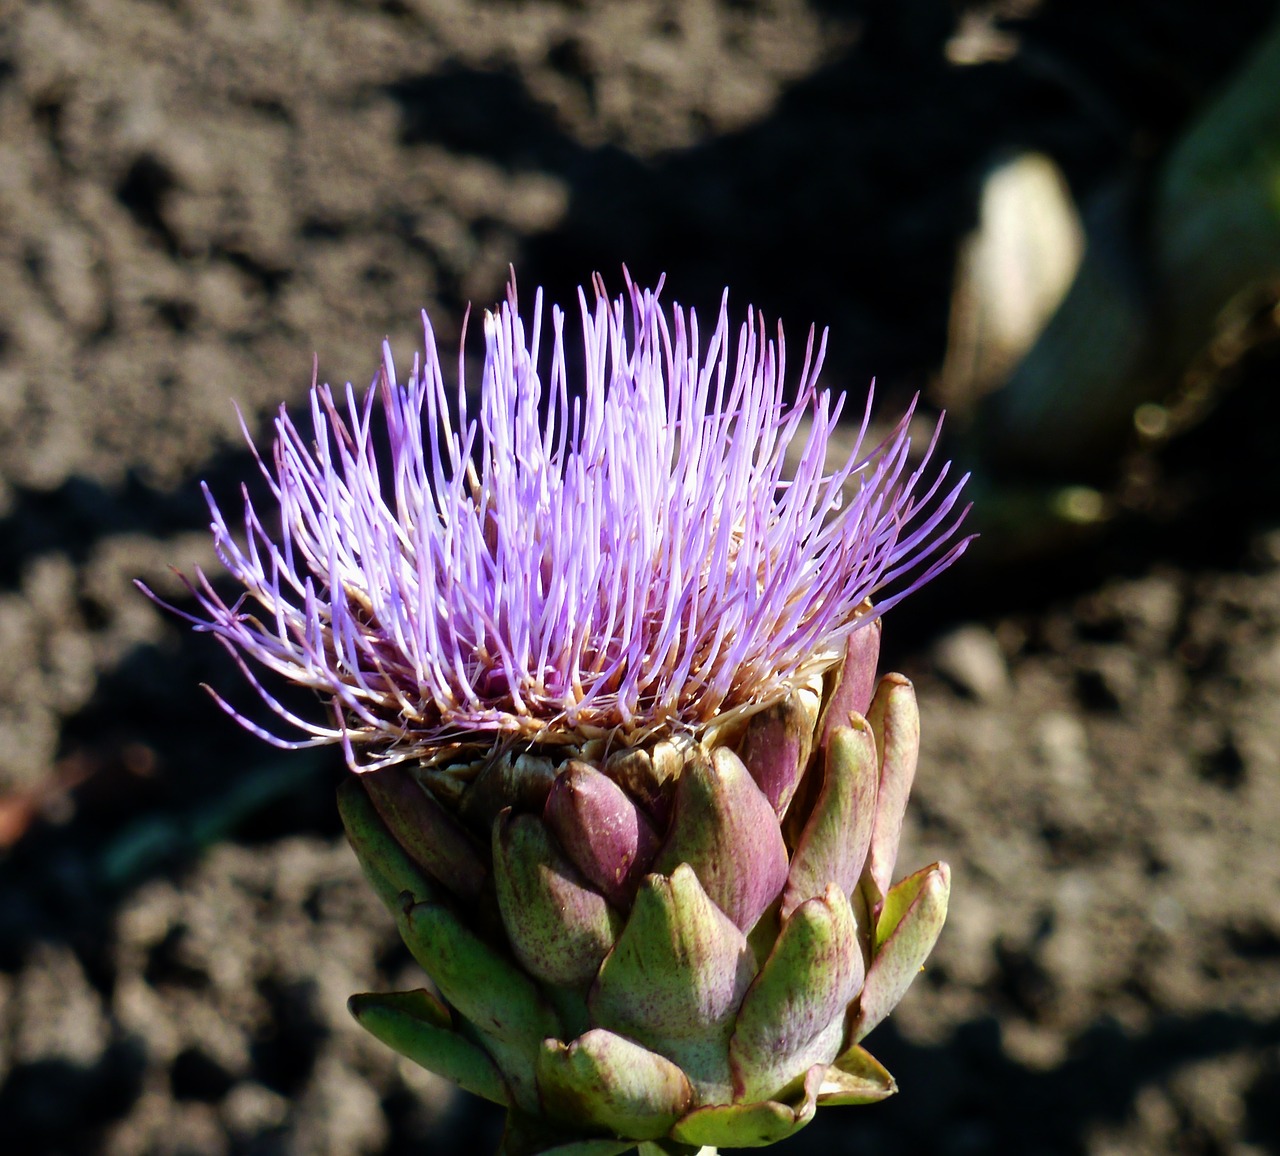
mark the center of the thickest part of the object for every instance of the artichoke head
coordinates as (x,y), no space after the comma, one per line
(674,946)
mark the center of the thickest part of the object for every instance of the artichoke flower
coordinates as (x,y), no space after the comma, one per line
(603,663)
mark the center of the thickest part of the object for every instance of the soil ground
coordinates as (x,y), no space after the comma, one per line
(195,197)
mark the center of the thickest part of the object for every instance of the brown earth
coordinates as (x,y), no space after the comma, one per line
(195,197)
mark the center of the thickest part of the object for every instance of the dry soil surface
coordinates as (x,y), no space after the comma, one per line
(195,197)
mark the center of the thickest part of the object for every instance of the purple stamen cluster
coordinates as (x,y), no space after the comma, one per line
(635,558)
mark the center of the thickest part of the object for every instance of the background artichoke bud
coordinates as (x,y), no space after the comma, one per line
(678,944)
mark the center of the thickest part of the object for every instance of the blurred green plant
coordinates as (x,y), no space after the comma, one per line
(1178,280)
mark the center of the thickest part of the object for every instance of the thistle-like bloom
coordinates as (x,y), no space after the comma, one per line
(651,554)
(606,659)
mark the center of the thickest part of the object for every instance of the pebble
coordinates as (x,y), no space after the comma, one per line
(972,659)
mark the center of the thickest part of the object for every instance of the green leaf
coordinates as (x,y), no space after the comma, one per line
(433,838)
(833,846)
(560,928)
(750,1125)
(894,718)
(486,988)
(676,979)
(899,959)
(854,680)
(777,744)
(420,1028)
(604,1081)
(856,1077)
(794,1013)
(389,869)
(726,830)
(896,903)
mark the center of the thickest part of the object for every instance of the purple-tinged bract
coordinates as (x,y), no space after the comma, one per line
(650,551)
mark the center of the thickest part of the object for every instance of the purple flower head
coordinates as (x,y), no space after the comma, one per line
(645,554)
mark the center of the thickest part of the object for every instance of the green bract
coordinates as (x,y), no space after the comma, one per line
(676,946)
